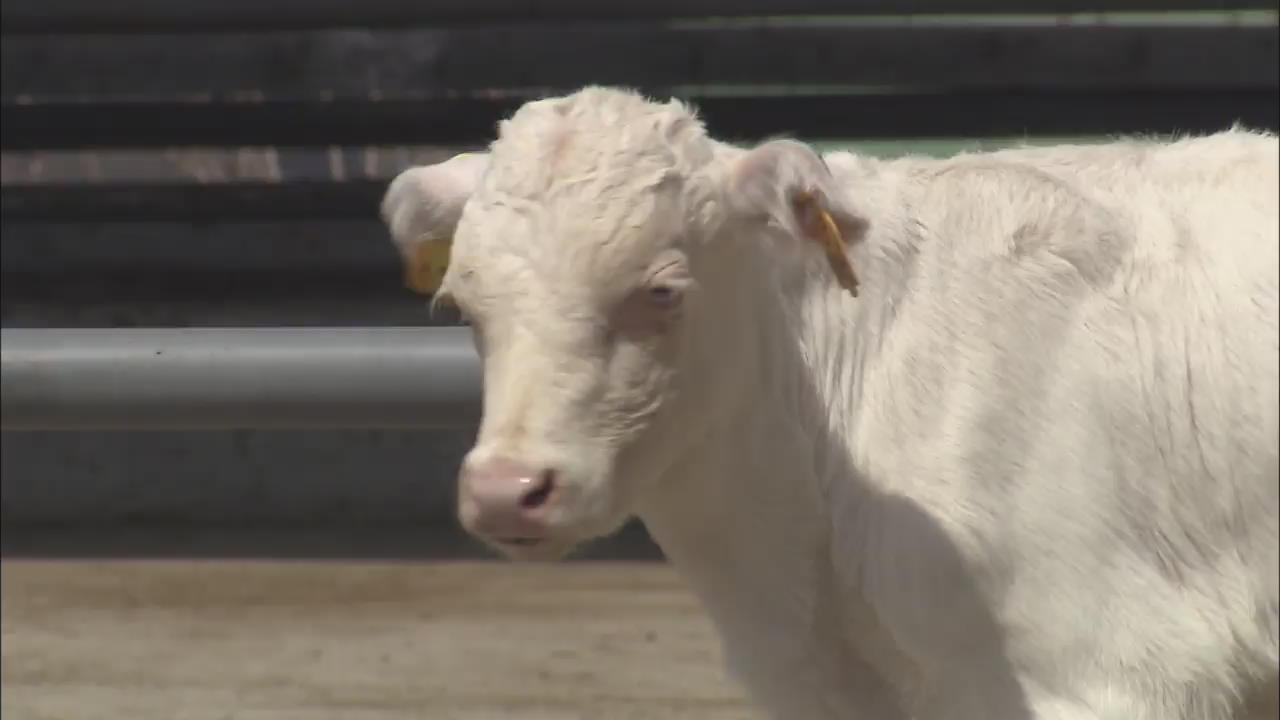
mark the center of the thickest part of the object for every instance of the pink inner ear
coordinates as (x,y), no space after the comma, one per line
(765,177)
(755,166)
(804,207)
(458,176)
(755,175)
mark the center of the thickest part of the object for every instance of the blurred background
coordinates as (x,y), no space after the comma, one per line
(219,163)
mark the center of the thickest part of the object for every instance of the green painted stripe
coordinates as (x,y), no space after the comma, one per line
(945,147)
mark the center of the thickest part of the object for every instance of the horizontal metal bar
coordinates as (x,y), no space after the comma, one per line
(141,15)
(224,378)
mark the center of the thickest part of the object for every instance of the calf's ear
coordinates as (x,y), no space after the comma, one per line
(421,208)
(786,184)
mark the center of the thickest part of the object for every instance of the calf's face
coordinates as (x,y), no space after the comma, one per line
(595,296)
(579,302)
(579,326)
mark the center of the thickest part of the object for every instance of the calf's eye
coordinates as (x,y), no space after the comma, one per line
(663,296)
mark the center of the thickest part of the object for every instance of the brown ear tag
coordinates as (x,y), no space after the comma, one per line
(828,235)
(425,265)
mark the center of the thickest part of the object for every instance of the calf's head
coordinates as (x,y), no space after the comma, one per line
(602,251)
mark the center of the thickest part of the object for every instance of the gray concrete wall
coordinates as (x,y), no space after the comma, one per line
(221,477)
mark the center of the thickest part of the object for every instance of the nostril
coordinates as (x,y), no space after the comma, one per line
(539,491)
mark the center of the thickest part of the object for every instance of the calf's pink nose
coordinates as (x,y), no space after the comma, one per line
(505,499)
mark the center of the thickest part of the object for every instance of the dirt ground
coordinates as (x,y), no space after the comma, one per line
(221,640)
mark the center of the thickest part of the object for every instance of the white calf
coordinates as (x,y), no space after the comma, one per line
(1029,471)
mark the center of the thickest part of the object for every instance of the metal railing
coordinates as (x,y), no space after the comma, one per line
(224,378)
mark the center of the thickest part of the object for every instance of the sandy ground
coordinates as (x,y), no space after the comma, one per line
(220,640)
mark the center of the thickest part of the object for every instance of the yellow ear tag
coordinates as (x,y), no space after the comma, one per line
(424,268)
(425,265)
(832,242)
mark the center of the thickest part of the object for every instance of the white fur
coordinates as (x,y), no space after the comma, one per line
(1030,472)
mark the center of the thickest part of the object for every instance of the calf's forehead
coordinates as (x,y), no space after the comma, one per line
(593,236)
(584,189)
